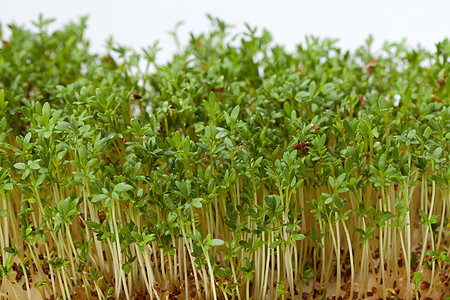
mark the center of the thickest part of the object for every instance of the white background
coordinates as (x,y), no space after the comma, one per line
(140,23)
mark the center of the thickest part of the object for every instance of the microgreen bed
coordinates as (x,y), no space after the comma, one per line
(237,170)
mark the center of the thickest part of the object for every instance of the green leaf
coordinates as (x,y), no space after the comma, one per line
(126,268)
(101,97)
(10,250)
(437,153)
(235,112)
(8,186)
(33,165)
(197,202)
(312,88)
(308,273)
(437,178)
(382,103)
(297,237)
(302,96)
(417,278)
(99,197)
(331,181)
(40,283)
(216,242)
(122,187)
(275,244)
(41,179)
(222,134)
(46,113)
(382,163)
(340,179)
(92,224)
(359,230)
(20,166)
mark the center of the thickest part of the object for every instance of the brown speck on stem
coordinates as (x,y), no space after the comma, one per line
(101,216)
(219,90)
(81,220)
(162,126)
(302,146)
(436,99)
(370,65)
(239,145)
(135,95)
(251,105)
(442,81)
(28,89)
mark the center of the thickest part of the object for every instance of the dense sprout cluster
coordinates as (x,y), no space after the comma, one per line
(237,170)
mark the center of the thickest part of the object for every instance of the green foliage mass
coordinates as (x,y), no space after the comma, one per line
(236,170)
